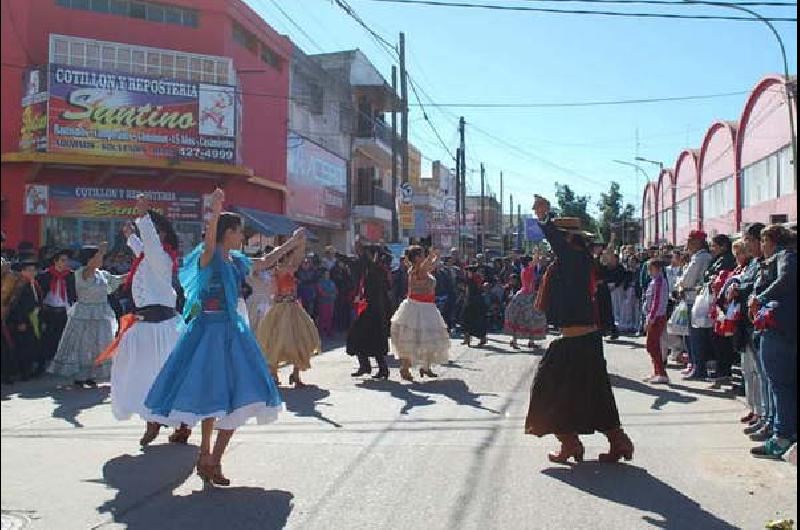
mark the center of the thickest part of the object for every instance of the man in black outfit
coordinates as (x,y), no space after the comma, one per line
(58,288)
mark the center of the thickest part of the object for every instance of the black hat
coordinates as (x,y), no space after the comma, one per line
(27,262)
(754,230)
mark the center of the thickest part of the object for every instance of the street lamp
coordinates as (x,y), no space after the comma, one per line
(654,162)
(646,178)
(787,84)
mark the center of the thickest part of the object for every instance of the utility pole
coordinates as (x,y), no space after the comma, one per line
(462,190)
(511,220)
(404,115)
(519,226)
(395,222)
(457,191)
(501,225)
(483,209)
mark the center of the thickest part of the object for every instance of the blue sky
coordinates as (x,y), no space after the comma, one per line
(478,56)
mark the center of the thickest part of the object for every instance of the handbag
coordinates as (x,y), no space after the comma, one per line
(701,311)
(678,323)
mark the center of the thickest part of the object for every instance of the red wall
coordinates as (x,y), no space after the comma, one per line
(687,182)
(24,35)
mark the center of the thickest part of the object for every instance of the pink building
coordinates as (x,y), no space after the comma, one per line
(718,170)
(743,172)
(665,206)
(768,179)
(649,214)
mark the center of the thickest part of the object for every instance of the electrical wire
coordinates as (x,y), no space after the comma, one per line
(494,7)
(576,104)
(296,25)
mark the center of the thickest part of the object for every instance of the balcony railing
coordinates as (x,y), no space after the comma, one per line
(366,194)
(376,129)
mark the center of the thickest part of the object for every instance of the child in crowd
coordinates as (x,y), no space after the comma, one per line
(326,299)
(656,318)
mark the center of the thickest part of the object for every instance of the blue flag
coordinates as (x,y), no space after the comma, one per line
(533,231)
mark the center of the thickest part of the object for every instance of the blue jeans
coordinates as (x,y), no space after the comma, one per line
(699,349)
(779,354)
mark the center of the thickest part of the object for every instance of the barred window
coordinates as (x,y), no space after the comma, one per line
(143,10)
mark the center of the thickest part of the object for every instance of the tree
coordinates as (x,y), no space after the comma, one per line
(571,205)
(614,216)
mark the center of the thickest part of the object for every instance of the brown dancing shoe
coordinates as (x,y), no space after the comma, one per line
(181,435)
(621,447)
(150,434)
(571,447)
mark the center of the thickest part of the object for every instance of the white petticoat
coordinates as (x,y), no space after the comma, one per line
(419,334)
(262,413)
(140,355)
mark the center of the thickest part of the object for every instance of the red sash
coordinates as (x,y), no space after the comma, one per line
(125,324)
(424,298)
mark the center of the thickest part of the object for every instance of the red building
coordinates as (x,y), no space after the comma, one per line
(102,99)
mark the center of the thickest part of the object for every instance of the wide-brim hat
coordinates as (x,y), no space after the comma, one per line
(572,225)
(18,266)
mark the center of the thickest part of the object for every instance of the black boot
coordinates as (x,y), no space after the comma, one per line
(383,368)
(364,367)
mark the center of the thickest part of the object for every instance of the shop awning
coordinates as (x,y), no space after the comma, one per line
(270,224)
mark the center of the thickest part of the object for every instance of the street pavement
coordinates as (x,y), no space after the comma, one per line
(359,454)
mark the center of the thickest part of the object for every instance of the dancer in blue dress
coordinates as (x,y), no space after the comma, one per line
(216,374)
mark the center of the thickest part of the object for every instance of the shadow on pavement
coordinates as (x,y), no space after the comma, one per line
(459,366)
(145,500)
(304,402)
(399,391)
(70,402)
(635,487)
(457,390)
(662,394)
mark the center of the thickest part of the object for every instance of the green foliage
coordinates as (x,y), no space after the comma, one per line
(613,215)
(572,205)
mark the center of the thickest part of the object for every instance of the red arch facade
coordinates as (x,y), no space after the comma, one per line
(687,194)
(764,132)
(718,170)
(649,214)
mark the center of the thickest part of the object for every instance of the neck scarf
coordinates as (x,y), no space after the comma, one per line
(171,252)
(58,282)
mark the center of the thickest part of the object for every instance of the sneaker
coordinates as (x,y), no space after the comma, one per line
(773,448)
(660,380)
(754,428)
(762,435)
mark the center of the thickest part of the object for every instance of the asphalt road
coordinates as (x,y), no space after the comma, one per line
(358,454)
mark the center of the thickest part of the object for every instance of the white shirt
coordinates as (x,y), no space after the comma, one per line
(152,283)
(55,300)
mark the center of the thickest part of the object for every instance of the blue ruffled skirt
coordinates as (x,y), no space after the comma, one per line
(215,371)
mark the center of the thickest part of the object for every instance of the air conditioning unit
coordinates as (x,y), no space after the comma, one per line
(778,218)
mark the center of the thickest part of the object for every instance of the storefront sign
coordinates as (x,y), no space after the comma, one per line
(405,216)
(33,133)
(372,231)
(72,201)
(135,116)
(317,182)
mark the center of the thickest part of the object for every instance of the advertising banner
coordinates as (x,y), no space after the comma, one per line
(33,133)
(405,216)
(74,201)
(317,182)
(136,116)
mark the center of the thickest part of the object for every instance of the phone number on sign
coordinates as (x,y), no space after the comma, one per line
(205,154)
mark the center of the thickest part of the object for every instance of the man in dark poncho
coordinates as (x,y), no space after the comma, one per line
(571,393)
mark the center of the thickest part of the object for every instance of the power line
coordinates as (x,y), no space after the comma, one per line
(666,2)
(441,3)
(296,25)
(583,103)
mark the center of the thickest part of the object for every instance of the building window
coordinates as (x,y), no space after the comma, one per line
(685,211)
(769,178)
(244,37)
(143,10)
(268,56)
(718,198)
(666,222)
(123,58)
(248,40)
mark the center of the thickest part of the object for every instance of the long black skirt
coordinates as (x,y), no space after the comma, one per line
(473,316)
(571,392)
(369,334)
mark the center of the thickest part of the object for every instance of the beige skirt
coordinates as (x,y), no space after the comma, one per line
(288,335)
